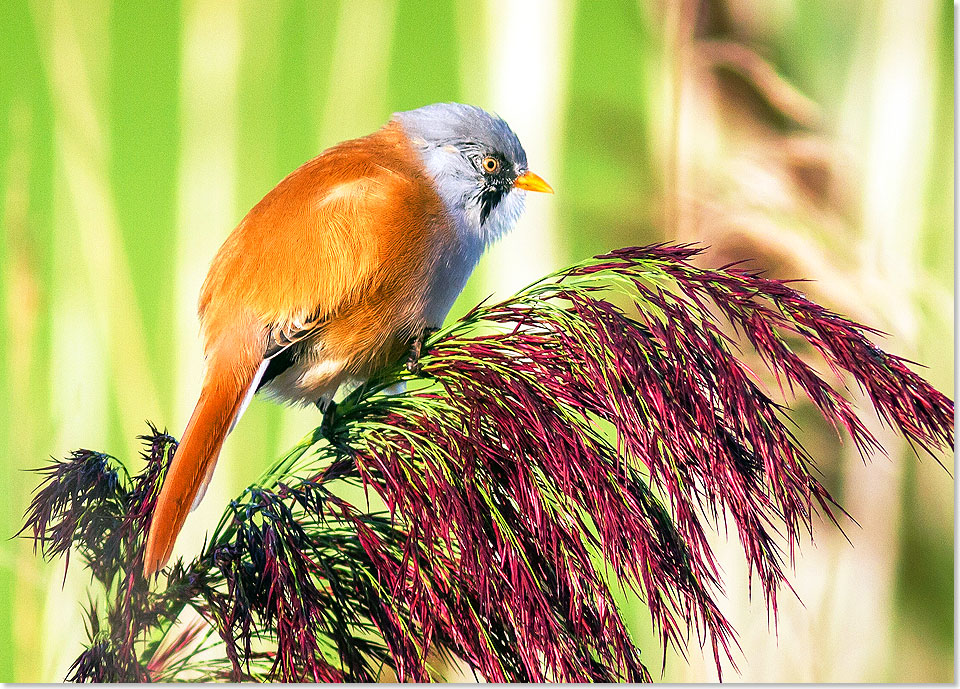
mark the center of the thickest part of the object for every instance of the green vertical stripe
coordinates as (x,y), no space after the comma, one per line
(144,134)
(611,184)
(26,123)
(424,55)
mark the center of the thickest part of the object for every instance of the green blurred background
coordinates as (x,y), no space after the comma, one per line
(813,136)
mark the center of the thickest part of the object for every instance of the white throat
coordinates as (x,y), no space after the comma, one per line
(458,191)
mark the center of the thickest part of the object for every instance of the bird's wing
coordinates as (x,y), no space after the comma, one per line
(318,240)
(283,335)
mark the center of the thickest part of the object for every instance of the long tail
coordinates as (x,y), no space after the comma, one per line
(222,395)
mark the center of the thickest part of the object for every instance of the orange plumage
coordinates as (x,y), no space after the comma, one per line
(328,278)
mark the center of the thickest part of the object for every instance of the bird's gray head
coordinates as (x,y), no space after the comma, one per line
(477,164)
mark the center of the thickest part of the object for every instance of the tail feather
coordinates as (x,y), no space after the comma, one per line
(193,462)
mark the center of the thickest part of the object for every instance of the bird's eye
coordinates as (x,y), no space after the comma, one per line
(490,164)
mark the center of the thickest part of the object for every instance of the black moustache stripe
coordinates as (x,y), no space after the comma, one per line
(489,198)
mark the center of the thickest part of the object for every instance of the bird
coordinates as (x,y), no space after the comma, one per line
(338,271)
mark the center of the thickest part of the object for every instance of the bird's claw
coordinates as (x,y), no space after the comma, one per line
(413,364)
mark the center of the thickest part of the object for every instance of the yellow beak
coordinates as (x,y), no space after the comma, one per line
(532,182)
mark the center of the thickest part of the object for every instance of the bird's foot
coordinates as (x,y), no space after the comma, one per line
(416,350)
